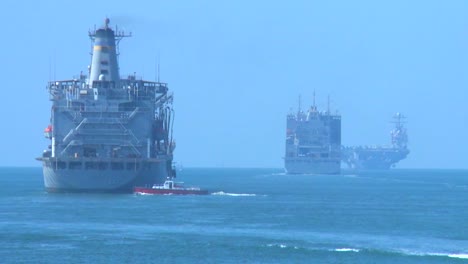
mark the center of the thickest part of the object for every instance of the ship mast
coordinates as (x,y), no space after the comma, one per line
(398,134)
(299,107)
(314,100)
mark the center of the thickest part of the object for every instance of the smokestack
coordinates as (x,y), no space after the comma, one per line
(104,65)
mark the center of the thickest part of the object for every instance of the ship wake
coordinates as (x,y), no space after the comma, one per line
(233,194)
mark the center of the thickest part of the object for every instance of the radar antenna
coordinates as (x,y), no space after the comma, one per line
(106,22)
(299,108)
(398,120)
(314,100)
(159,67)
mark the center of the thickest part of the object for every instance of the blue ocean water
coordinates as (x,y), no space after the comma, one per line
(252,216)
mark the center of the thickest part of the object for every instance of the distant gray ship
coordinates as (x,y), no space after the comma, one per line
(108,134)
(313,142)
(379,157)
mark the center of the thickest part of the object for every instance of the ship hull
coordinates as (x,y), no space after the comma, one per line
(107,181)
(307,166)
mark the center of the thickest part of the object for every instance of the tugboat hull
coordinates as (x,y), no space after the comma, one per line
(143,190)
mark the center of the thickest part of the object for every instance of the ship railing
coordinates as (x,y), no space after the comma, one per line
(120,143)
(67,88)
(159,87)
(61,85)
(103,120)
(102,135)
(102,140)
(140,87)
(103,131)
(125,89)
(135,81)
(100,110)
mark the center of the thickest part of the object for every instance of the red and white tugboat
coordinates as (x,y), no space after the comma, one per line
(170,187)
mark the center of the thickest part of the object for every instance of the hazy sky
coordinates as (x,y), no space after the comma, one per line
(237,67)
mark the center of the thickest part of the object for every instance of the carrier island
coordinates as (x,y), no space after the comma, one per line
(107,133)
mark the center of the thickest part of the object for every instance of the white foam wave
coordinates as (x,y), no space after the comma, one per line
(281,246)
(233,194)
(141,193)
(439,254)
(450,255)
(277,245)
(460,256)
(346,250)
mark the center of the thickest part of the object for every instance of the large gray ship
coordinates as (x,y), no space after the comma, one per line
(379,157)
(107,133)
(313,142)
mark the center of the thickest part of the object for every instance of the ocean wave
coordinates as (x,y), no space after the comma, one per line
(421,254)
(278,174)
(281,246)
(450,255)
(460,256)
(140,193)
(233,194)
(346,250)
(430,254)
(356,250)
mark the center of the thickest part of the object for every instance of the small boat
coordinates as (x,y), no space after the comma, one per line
(170,187)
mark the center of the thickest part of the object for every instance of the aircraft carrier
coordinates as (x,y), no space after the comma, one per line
(379,157)
(313,142)
(107,133)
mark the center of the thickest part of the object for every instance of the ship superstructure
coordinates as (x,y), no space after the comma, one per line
(107,133)
(313,142)
(380,157)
